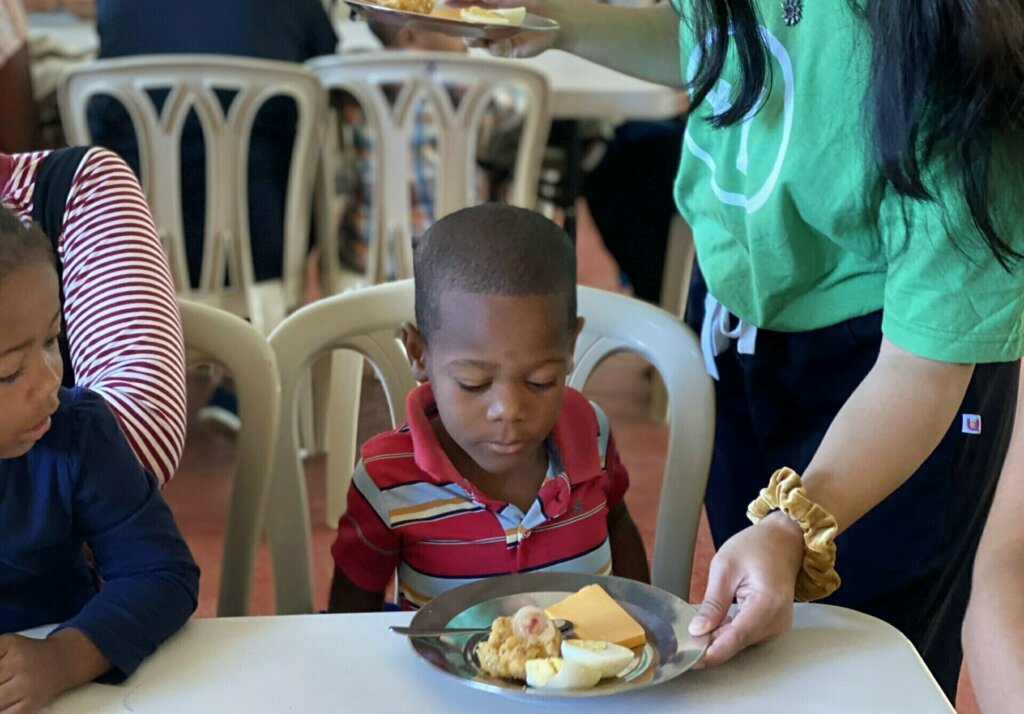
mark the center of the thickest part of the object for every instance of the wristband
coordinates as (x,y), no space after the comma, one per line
(785,492)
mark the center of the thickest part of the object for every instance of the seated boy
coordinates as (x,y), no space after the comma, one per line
(500,467)
(68,478)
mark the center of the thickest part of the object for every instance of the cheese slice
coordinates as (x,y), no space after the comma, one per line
(597,616)
(495,16)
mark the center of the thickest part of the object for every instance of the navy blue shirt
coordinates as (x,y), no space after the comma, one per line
(291,31)
(81,483)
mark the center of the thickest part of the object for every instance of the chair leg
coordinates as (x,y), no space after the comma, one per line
(675,284)
(342,396)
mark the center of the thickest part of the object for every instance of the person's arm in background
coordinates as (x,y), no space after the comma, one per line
(124,331)
(861,460)
(18,121)
(642,42)
(994,626)
(83,8)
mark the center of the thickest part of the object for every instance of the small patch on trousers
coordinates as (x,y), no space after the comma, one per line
(971,423)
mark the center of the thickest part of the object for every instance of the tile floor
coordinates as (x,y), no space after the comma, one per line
(199,493)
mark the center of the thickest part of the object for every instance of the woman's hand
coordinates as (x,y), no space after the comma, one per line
(757,568)
(524,44)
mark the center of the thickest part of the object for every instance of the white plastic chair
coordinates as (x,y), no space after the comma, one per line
(421,76)
(215,337)
(192,81)
(368,321)
(427,76)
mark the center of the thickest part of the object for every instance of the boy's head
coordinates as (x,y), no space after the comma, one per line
(496,328)
(403,37)
(30,363)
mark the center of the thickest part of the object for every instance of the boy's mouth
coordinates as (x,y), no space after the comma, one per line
(506,447)
(36,433)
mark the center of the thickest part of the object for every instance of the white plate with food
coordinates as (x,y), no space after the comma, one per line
(619,614)
(471,21)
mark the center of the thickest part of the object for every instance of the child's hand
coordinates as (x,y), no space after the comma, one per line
(30,673)
(33,672)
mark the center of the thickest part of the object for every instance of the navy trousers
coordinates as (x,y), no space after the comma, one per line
(909,560)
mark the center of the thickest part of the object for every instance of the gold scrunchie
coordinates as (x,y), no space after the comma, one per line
(785,491)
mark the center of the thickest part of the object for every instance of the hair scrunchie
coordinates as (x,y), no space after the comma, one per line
(785,492)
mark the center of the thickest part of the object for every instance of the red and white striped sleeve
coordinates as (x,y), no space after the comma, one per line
(124,330)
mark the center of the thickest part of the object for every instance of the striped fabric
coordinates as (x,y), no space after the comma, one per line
(409,509)
(122,318)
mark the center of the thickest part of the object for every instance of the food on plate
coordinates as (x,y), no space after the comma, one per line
(421,6)
(560,673)
(494,16)
(596,616)
(529,634)
(607,658)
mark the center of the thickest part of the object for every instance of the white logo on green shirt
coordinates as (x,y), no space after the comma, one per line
(719,100)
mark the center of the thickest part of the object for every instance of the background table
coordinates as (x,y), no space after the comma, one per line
(833,660)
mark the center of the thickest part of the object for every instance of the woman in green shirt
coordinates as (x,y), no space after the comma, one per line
(852,172)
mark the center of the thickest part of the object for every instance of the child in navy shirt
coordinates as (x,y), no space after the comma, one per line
(69,478)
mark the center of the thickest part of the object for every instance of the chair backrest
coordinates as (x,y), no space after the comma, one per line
(391,87)
(219,338)
(200,82)
(368,321)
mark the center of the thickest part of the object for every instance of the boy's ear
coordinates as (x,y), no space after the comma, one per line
(572,342)
(416,350)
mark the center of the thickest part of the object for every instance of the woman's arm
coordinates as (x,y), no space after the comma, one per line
(124,331)
(642,42)
(862,459)
(993,631)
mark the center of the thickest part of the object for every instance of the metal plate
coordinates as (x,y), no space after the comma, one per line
(670,650)
(446,21)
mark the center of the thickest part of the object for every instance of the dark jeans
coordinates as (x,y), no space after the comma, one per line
(909,560)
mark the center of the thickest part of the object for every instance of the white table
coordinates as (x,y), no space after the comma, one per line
(579,89)
(833,660)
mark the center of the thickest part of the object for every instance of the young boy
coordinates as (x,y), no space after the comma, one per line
(67,478)
(500,468)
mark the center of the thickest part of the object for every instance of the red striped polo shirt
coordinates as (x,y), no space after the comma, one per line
(408,508)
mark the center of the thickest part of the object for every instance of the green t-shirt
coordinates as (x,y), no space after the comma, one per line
(794,230)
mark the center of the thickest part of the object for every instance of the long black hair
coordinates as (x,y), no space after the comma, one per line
(947,77)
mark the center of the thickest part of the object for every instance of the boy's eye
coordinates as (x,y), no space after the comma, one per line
(10,378)
(541,386)
(52,341)
(473,388)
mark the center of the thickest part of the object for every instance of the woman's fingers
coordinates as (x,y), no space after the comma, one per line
(718,597)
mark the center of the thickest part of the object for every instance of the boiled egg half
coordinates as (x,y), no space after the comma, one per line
(494,16)
(560,673)
(606,657)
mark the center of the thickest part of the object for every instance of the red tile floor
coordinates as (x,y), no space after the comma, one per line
(199,493)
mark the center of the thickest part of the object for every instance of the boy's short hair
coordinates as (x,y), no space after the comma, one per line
(21,244)
(493,249)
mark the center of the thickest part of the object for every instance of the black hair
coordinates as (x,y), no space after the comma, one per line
(21,244)
(946,79)
(493,249)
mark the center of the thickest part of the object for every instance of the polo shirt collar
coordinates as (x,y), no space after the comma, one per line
(573,444)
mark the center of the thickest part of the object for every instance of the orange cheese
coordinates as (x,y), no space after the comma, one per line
(597,616)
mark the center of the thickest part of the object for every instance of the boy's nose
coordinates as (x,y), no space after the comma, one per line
(50,375)
(508,405)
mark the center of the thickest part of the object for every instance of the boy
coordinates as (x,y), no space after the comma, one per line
(500,468)
(68,478)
